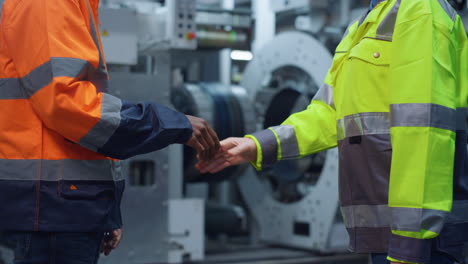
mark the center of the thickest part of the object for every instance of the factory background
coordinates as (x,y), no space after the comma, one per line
(243,65)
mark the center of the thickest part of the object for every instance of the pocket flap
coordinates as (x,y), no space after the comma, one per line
(372,51)
(86,190)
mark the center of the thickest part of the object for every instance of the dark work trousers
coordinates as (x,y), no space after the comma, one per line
(55,248)
(436,258)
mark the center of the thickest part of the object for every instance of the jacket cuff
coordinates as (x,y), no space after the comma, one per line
(256,163)
(267,148)
(400,261)
(409,250)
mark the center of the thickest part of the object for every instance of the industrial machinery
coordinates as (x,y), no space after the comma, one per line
(176,58)
(152,58)
(296,202)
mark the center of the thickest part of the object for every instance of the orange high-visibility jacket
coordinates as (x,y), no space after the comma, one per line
(58,126)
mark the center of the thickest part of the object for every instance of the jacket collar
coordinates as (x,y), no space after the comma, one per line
(373,14)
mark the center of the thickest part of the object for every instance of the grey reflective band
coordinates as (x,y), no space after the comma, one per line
(325,95)
(423,115)
(37,79)
(10,88)
(370,216)
(387,27)
(70,67)
(55,170)
(403,219)
(416,219)
(108,123)
(448,9)
(462,115)
(287,138)
(363,124)
(23,88)
(269,145)
(94,35)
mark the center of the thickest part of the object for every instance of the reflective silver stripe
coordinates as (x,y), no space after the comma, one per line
(93,27)
(366,216)
(363,124)
(37,79)
(462,115)
(416,219)
(102,71)
(404,219)
(69,67)
(10,88)
(423,115)
(325,95)
(269,145)
(105,128)
(54,170)
(387,27)
(56,67)
(288,140)
(448,9)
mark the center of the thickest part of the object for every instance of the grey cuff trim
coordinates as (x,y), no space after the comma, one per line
(269,145)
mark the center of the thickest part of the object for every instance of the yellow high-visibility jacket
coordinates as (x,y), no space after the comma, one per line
(394,101)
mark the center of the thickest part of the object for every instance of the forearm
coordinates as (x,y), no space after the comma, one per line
(303,133)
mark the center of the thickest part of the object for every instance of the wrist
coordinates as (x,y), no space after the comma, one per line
(252,150)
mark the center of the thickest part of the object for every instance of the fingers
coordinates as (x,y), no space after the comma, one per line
(111,241)
(194,143)
(233,151)
(215,165)
(209,140)
(220,162)
(204,138)
(203,163)
(215,138)
(116,237)
(211,143)
(200,136)
(105,244)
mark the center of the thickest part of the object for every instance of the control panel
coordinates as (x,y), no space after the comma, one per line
(181,26)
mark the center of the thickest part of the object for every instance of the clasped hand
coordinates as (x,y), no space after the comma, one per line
(233,151)
(204,139)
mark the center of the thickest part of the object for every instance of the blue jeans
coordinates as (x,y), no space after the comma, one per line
(56,248)
(436,258)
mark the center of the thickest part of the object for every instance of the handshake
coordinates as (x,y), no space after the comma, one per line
(213,155)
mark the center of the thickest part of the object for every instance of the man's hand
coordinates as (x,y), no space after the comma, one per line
(111,241)
(233,151)
(204,140)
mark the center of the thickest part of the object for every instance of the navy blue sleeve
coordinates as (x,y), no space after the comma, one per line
(146,127)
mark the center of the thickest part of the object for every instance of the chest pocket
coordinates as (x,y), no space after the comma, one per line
(363,81)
